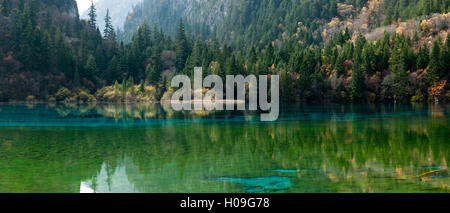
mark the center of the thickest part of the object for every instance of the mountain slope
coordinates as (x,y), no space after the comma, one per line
(338,51)
(200,15)
(240,23)
(251,23)
(43,47)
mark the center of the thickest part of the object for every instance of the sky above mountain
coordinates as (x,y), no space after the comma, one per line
(118,10)
(83,5)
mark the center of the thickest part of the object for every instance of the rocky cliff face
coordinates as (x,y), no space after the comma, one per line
(70,8)
(65,7)
(206,11)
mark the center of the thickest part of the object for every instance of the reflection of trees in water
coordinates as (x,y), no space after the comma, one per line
(338,154)
(142,111)
(110,179)
(371,155)
(130,111)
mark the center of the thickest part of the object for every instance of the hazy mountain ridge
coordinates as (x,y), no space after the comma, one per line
(201,16)
(241,23)
(250,23)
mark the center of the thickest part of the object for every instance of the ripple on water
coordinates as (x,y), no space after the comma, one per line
(283,170)
(261,184)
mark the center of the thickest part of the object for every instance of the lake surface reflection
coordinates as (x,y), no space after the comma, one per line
(150,148)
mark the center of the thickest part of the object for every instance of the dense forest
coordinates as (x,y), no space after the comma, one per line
(325,51)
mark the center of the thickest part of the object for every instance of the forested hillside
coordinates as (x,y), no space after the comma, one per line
(238,22)
(325,51)
(245,24)
(202,15)
(37,39)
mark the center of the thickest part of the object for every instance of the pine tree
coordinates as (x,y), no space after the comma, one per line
(153,74)
(144,36)
(397,61)
(383,54)
(339,66)
(91,68)
(347,35)
(30,12)
(398,65)
(445,57)
(307,68)
(41,51)
(269,56)
(5,6)
(368,58)
(435,63)
(423,57)
(196,57)
(26,46)
(344,36)
(113,69)
(182,47)
(357,85)
(153,69)
(109,32)
(92,16)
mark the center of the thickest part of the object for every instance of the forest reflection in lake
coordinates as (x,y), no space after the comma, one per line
(149,148)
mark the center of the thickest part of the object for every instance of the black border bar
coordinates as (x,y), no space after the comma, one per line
(148,202)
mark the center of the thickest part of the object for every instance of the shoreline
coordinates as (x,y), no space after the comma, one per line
(162,102)
(168,102)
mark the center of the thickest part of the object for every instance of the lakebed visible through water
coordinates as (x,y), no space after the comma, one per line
(150,148)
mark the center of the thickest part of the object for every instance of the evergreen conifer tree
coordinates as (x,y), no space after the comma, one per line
(92,16)
(182,47)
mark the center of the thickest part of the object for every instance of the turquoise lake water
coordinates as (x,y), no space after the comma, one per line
(151,148)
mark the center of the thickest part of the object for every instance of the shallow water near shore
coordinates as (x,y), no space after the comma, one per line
(151,148)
